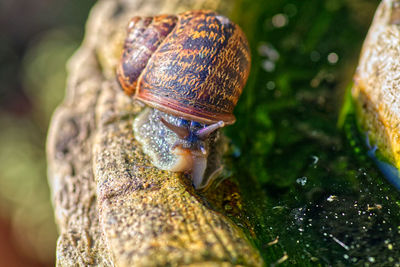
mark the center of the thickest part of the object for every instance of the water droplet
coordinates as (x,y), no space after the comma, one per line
(279,20)
(270,85)
(331,198)
(267,50)
(333,58)
(268,65)
(315,159)
(302,181)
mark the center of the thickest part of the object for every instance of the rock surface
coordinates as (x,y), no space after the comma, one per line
(113,208)
(377,81)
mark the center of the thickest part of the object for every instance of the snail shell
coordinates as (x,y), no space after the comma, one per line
(193,65)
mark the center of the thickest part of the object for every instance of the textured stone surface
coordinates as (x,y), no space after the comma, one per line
(377,81)
(112,207)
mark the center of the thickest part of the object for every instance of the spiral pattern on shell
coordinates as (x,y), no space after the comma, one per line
(193,65)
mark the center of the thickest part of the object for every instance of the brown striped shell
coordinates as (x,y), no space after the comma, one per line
(193,65)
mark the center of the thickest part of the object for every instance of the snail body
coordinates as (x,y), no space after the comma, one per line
(191,69)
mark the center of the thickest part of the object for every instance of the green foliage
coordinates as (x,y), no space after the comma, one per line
(313,184)
(291,101)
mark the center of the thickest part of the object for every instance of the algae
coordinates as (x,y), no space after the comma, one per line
(318,199)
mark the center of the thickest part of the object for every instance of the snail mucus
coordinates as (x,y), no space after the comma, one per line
(190,70)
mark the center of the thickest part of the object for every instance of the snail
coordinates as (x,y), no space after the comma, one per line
(190,70)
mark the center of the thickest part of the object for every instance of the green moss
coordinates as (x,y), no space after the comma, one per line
(300,160)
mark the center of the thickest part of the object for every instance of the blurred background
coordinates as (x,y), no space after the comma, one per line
(300,49)
(36,39)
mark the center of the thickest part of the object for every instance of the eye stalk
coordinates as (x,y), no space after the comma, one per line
(206,131)
(181,131)
(189,133)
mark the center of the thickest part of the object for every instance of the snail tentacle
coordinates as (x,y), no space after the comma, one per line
(182,132)
(205,132)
